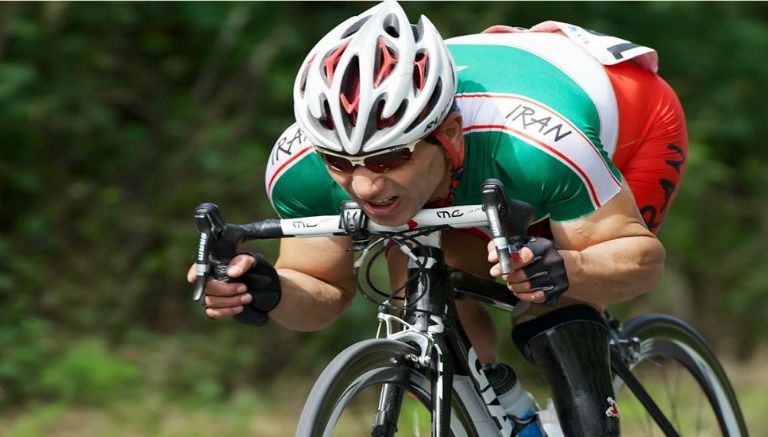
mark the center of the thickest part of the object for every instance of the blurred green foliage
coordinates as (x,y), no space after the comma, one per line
(116,119)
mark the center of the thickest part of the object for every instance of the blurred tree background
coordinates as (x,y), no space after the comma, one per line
(117,119)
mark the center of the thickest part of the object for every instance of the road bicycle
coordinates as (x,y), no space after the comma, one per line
(421,376)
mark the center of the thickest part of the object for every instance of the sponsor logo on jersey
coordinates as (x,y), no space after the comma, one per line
(538,121)
(547,130)
(288,150)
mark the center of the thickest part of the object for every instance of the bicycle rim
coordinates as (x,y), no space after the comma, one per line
(683,376)
(345,399)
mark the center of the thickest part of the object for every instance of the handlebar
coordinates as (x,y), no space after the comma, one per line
(508,219)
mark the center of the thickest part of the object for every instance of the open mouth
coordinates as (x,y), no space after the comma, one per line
(381,207)
(383,203)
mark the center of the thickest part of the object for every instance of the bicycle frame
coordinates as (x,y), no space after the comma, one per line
(444,349)
(430,320)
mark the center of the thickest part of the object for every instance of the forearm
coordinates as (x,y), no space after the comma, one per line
(614,271)
(308,303)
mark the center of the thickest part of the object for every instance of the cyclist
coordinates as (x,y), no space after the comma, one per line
(575,123)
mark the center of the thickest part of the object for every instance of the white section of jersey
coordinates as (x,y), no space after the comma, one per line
(608,50)
(581,67)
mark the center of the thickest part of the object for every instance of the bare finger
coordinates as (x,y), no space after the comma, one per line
(224,289)
(240,264)
(223,312)
(227,302)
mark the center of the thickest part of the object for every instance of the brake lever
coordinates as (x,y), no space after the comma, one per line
(508,219)
(210,224)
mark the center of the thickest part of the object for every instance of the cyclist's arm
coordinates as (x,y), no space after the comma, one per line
(610,256)
(317,282)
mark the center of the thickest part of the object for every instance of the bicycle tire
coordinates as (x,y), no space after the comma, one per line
(363,365)
(663,339)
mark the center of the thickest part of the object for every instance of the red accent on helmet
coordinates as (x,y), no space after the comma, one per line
(419,72)
(332,60)
(386,64)
(351,87)
(412,224)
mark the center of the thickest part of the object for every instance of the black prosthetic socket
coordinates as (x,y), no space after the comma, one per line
(570,348)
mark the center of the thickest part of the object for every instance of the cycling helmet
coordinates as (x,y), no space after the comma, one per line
(374,82)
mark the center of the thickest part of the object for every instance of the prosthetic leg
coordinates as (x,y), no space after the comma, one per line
(570,348)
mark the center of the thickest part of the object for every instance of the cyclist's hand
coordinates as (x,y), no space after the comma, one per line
(226,299)
(537,275)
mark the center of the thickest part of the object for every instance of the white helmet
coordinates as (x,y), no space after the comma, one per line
(373,82)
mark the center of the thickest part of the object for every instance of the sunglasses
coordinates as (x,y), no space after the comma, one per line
(377,162)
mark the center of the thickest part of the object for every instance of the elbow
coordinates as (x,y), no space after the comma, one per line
(653,265)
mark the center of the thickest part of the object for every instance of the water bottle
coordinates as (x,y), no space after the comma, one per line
(518,403)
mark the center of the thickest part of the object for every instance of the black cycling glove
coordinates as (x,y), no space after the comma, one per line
(263,284)
(547,271)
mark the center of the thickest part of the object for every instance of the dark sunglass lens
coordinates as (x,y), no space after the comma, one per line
(338,163)
(388,161)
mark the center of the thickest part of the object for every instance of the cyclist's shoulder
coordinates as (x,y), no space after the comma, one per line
(554,39)
(546,68)
(296,180)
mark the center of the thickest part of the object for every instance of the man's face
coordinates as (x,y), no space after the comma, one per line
(394,197)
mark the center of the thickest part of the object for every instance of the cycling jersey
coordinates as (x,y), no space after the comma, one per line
(539,113)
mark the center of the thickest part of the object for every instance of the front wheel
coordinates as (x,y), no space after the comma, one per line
(372,389)
(683,376)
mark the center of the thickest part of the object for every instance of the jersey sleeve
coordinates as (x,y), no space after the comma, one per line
(297,182)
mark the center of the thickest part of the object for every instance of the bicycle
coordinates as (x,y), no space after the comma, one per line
(424,362)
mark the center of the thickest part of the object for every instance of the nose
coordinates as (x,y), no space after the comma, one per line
(366,184)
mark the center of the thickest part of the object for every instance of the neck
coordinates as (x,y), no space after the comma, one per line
(444,187)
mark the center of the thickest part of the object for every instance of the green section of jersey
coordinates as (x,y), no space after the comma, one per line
(516,71)
(528,174)
(306,189)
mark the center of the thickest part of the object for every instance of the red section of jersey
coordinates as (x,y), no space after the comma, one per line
(652,146)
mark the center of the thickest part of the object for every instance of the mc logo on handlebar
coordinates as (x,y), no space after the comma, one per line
(448,214)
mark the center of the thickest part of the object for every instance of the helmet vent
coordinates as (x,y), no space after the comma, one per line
(381,122)
(327,119)
(386,59)
(420,70)
(391,26)
(418,31)
(351,30)
(350,90)
(304,74)
(332,60)
(430,107)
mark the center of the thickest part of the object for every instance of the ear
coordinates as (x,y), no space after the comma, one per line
(451,136)
(451,129)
